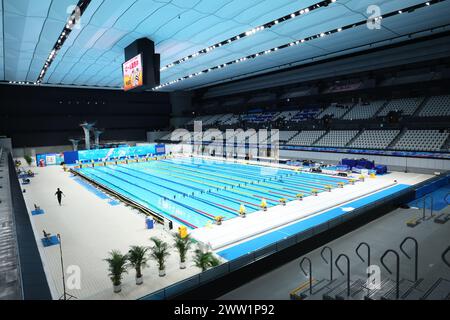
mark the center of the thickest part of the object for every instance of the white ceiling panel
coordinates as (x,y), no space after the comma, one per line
(93,53)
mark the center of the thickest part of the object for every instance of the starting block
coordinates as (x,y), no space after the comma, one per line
(442,218)
(413,222)
(37,212)
(50,241)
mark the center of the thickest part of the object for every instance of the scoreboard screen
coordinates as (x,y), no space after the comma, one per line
(133,73)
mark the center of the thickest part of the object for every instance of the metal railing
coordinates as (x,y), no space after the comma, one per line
(397,270)
(416,255)
(326,261)
(368,255)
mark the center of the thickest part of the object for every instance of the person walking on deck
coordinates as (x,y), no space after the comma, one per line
(59,195)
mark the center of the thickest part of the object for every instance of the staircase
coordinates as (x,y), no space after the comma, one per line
(446,145)
(355,137)
(348,111)
(420,107)
(10,284)
(355,287)
(397,138)
(320,138)
(440,290)
(381,109)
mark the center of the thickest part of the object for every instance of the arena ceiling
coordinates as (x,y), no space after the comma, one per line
(93,52)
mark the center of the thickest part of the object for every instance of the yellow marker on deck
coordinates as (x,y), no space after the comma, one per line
(242,209)
(264,204)
(182,231)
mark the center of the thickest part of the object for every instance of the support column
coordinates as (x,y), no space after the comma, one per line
(87,127)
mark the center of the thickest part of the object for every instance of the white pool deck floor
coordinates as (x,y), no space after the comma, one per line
(90,227)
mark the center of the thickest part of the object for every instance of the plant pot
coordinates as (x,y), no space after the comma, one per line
(162,273)
(182,265)
(139,280)
(117,288)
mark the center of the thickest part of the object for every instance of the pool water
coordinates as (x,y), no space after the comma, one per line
(192,191)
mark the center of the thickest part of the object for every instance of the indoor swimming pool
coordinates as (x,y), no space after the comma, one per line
(193,191)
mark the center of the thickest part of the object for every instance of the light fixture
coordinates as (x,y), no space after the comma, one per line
(77,12)
(253,56)
(251,32)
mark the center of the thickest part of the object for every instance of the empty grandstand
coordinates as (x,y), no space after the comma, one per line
(406,106)
(365,110)
(374,139)
(335,110)
(306,138)
(427,140)
(337,138)
(436,106)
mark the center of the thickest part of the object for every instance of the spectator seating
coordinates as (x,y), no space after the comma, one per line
(375,139)
(336,111)
(212,120)
(306,138)
(364,110)
(178,136)
(202,118)
(407,106)
(436,106)
(337,138)
(285,115)
(261,117)
(285,136)
(231,120)
(306,114)
(423,140)
(224,118)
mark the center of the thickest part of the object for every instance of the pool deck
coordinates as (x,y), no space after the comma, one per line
(91,227)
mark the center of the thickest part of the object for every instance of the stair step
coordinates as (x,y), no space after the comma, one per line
(440,290)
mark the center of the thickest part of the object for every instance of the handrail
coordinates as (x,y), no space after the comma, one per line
(425,205)
(397,285)
(444,258)
(416,255)
(348,270)
(368,255)
(307,273)
(331,260)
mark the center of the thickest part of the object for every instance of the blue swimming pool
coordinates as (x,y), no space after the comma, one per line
(192,191)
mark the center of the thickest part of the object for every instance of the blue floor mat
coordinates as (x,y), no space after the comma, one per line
(114,202)
(51,241)
(441,199)
(37,212)
(91,188)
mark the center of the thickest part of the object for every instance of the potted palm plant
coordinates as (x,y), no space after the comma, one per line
(182,245)
(159,252)
(205,260)
(117,267)
(28,159)
(137,256)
